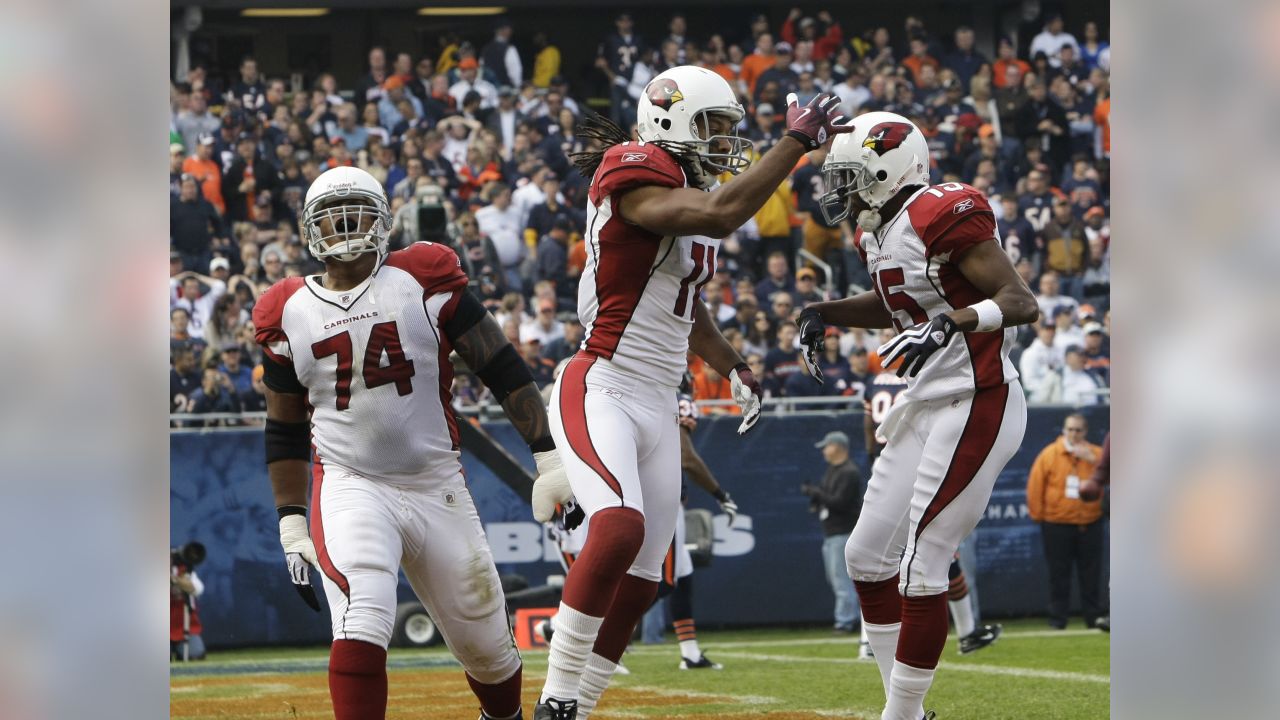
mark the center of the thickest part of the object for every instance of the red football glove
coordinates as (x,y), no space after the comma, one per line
(813,124)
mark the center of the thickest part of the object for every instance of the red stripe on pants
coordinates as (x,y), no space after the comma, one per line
(317,527)
(573,412)
(986,415)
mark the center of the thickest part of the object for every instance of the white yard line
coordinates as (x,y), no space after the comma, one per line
(849,640)
(958,667)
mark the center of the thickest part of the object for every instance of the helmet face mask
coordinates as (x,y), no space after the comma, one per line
(884,154)
(346,215)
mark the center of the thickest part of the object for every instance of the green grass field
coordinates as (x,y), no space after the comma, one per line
(1031,672)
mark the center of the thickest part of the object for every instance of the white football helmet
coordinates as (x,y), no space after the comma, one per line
(885,153)
(669,110)
(345,215)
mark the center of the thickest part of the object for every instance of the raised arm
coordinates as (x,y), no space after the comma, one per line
(686,211)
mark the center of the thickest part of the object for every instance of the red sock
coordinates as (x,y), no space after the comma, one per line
(500,700)
(924,631)
(880,601)
(612,544)
(358,680)
(633,598)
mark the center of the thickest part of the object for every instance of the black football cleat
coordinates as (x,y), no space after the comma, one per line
(554,709)
(983,636)
(702,663)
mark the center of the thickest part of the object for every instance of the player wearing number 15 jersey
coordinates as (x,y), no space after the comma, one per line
(358,374)
(943,281)
(654,217)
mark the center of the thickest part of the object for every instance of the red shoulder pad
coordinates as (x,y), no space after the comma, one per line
(435,266)
(632,165)
(268,317)
(952,218)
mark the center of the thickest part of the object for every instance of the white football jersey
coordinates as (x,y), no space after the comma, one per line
(913,259)
(637,292)
(374,362)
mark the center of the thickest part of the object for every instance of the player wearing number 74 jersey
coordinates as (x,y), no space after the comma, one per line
(944,282)
(654,219)
(358,374)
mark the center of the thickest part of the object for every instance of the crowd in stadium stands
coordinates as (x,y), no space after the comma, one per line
(472,147)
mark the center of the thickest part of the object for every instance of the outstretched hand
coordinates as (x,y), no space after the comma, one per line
(816,122)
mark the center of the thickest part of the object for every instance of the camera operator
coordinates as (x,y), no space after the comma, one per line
(185,642)
(423,217)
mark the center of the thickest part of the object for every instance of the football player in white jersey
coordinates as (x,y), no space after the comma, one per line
(654,219)
(941,279)
(358,375)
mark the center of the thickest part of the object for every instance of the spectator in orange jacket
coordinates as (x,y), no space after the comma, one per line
(757,62)
(711,385)
(1070,525)
(207,172)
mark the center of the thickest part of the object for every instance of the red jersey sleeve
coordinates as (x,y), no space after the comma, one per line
(951,221)
(436,267)
(268,319)
(631,165)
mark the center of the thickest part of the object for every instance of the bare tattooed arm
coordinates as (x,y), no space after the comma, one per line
(524,406)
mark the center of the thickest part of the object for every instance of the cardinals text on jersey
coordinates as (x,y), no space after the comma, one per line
(636,296)
(913,260)
(374,363)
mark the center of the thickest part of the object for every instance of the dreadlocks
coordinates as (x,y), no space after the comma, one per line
(600,128)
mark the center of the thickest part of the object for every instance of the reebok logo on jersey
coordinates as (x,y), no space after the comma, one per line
(633,157)
(965,204)
(939,336)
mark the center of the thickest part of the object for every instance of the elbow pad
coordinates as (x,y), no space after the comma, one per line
(288,441)
(505,373)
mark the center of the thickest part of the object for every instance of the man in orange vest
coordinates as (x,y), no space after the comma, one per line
(1070,524)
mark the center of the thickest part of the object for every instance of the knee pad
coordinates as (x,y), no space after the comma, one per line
(922,575)
(479,586)
(865,565)
(489,665)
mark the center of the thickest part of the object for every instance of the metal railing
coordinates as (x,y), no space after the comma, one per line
(830,284)
(221,422)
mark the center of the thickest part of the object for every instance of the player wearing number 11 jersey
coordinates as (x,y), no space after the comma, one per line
(654,219)
(943,281)
(358,375)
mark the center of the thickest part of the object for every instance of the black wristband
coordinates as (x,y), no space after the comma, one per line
(542,444)
(286,510)
(720,495)
(808,142)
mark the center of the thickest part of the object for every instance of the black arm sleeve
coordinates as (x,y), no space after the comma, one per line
(280,377)
(465,316)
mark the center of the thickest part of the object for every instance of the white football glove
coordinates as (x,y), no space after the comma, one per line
(727,505)
(300,555)
(746,392)
(552,486)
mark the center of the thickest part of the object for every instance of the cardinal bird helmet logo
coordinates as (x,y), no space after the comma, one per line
(664,93)
(887,136)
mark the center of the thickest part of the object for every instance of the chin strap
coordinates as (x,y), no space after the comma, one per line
(869,220)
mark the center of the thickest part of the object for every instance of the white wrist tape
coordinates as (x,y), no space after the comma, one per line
(989,316)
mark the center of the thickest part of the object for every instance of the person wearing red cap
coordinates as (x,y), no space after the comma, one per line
(470,80)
